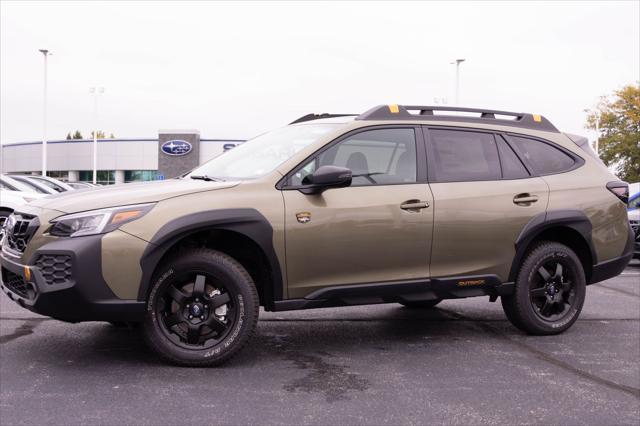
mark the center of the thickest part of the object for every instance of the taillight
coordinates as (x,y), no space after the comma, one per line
(620,190)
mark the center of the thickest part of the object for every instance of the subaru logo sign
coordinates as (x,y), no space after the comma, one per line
(176,147)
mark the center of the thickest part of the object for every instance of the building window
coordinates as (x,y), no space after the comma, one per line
(60,175)
(140,175)
(104,177)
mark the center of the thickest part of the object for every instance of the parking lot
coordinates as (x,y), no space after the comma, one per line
(460,363)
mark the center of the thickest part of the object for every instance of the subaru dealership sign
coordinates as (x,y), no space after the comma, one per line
(176,147)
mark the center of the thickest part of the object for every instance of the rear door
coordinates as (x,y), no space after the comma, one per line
(376,230)
(483,197)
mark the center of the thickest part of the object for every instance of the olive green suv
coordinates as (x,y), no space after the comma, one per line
(400,204)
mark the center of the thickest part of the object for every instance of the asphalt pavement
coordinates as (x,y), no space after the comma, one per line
(460,363)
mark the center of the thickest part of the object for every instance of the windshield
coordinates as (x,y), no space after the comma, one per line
(262,154)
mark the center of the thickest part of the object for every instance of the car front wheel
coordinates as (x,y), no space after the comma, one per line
(202,309)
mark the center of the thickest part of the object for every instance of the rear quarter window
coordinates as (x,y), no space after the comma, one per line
(543,158)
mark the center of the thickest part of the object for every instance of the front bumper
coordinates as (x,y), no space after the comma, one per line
(63,280)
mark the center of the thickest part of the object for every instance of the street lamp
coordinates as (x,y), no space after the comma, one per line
(596,116)
(458,62)
(95,91)
(45,53)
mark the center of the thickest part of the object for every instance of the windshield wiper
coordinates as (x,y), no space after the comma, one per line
(206,178)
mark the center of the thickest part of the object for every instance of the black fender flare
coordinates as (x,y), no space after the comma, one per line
(572,219)
(248,222)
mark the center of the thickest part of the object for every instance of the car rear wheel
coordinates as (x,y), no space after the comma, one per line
(202,309)
(549,292)
(421,304)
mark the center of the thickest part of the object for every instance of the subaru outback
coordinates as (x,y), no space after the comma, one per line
(400,204)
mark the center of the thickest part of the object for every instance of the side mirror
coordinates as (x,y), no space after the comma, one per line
(324,178)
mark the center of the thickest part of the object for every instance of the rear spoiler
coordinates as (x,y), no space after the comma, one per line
(583,143)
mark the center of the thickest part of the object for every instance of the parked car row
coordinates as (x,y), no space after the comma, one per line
(17,190)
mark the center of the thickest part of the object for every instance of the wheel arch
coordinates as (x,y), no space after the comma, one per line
(243,234)
(569,227)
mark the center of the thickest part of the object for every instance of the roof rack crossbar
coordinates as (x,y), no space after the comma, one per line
(484,113)
(310,117)
(401,112)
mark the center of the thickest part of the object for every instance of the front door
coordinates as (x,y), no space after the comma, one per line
(378,229)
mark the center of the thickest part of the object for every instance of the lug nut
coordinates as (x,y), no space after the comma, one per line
(197,300)
(190,316)
(202,317)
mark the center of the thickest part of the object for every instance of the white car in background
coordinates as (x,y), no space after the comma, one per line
(81,185)
(14,194)
(40,183)
(32,185)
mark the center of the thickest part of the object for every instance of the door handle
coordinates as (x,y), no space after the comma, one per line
(414,205)
(525,198)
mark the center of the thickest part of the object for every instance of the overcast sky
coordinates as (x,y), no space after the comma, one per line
(236,70)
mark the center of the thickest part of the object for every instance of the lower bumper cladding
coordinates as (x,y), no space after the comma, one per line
(56,283)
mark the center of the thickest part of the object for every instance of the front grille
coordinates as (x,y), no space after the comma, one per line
(19,229)
(55,268)
(17,284)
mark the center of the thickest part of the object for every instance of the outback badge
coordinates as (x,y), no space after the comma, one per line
(303,217)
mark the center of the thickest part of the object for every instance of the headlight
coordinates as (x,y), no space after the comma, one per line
(96,221)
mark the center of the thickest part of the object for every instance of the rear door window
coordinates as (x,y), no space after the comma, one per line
(543,158)
(458,156)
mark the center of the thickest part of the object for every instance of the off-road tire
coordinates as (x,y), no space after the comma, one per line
(519,307)
(421,304)
(224,271)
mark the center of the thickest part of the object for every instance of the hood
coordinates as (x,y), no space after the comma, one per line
(130,193)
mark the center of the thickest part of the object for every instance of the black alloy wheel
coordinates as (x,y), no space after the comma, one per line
(550,290)
(202,309)
(196,311)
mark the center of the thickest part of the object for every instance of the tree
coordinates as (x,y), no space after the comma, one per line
(619,122)
(69,136)
(76,135)
(102,135)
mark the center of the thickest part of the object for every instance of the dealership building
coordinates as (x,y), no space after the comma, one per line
(172,153)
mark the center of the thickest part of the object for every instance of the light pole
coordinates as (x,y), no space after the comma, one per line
(596,116)
(95,91)
(45,53)
(597,144)
(458,62)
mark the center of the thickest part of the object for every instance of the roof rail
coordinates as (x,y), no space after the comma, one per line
(310,117)
(401,112)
